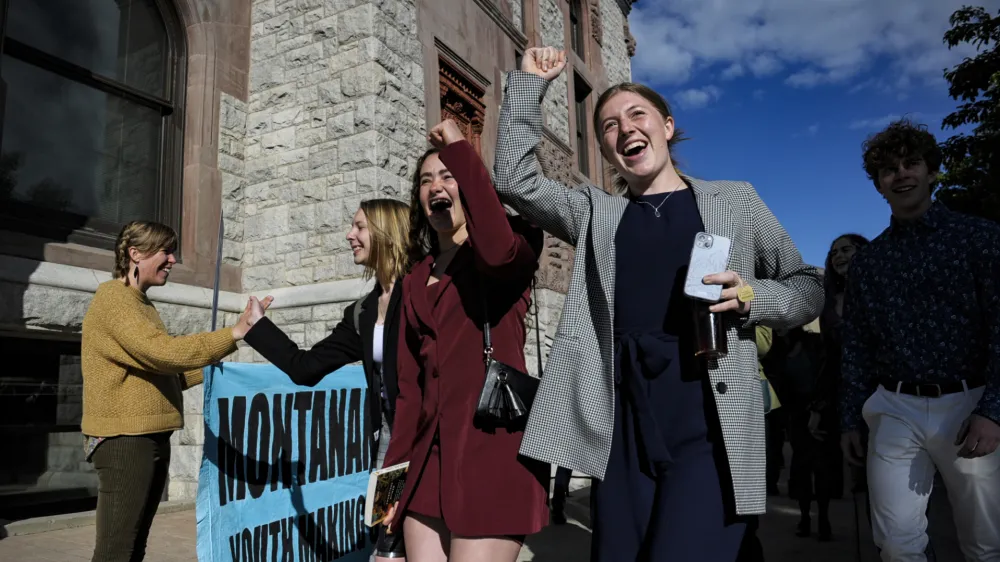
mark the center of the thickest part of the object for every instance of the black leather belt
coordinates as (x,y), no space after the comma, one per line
(931,390)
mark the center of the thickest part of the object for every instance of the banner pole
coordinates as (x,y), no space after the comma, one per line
(218,271)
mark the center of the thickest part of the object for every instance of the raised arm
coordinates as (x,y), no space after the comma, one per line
(788,293)
(500,251)
(308,366)
(549,204)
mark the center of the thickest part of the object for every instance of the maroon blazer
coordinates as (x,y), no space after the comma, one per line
(486,489)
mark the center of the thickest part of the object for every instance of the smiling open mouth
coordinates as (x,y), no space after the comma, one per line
(440,205)
(634,149)
(903,188)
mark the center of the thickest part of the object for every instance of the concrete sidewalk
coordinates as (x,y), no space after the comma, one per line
(172,538)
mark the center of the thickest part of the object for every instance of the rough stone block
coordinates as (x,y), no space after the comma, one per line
(181,490)
(340,126)
(292,316)
(185,463)
(357,23)
(363,150)
(333,312)
(365,79)
(267,224)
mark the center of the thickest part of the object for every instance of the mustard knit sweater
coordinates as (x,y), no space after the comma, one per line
(133,370)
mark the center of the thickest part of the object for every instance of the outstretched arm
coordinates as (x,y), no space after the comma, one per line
(500,252)
(308,366)
(548,204)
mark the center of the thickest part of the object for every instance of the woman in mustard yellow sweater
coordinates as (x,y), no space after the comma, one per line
(133,376)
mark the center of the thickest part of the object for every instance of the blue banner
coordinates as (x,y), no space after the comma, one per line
(285,467)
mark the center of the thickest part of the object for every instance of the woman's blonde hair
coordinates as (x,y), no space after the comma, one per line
(147,237)
(389,225)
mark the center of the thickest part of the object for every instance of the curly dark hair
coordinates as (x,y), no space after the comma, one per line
(423,240)
(901,139)
(834,282)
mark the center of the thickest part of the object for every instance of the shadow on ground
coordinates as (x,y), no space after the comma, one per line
(571,542)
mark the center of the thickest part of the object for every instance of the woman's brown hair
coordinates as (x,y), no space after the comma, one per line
(422,238)
(650,95)
(389,225)
(147,237)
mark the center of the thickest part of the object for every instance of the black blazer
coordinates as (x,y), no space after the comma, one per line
(341,347)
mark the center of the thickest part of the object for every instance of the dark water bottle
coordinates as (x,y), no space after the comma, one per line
(709,332)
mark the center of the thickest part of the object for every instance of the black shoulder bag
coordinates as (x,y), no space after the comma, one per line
(508,393)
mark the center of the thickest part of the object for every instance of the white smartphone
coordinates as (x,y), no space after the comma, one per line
(709,255)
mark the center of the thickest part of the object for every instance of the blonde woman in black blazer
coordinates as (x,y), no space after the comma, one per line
(368,332)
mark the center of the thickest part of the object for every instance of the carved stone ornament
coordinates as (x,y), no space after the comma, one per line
(629,41)
(462,102)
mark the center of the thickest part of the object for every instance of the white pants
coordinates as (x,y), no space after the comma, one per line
(910,437)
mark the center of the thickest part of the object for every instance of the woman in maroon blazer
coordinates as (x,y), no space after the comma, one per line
(468,496)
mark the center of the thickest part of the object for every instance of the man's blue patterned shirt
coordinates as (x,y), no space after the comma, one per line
(923,305)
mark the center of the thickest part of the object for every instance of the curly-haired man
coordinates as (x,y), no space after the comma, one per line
(921,362)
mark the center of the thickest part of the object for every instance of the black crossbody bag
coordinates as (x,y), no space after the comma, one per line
(507,393)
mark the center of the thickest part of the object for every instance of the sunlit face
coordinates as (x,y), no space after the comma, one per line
(634,137)
(841,254)
(439,196)
(360,238)
(154,269)
(906,185)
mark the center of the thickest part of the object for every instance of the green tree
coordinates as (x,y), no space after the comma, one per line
(971,182)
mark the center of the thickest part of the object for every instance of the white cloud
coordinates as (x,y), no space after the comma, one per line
(695,98)
(814,42)
(735,70)
(764,65)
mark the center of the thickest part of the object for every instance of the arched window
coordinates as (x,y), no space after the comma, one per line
(91,117)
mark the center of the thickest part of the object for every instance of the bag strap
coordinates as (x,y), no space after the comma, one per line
(488,340)
(538,335)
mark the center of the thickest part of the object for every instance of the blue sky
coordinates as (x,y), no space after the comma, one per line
(782,93)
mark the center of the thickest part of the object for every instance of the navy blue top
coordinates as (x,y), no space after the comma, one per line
(655,366)
(652,260)
(922,304)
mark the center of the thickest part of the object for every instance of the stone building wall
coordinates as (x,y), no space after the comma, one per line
(335,115)
(614,48)
(556,104)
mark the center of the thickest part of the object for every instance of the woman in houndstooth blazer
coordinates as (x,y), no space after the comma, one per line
(677,443)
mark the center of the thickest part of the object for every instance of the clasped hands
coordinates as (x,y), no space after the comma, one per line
(253,312)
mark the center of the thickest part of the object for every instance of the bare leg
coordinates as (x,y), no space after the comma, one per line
(427,539)
(484,549)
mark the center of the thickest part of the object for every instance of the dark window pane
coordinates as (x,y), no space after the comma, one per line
(576,28)
(40,410)
(124,40)
(73,149)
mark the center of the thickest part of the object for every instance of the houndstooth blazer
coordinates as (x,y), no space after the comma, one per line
(572,418)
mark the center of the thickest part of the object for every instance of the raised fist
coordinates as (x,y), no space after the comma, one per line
(445,133)
(546,62)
